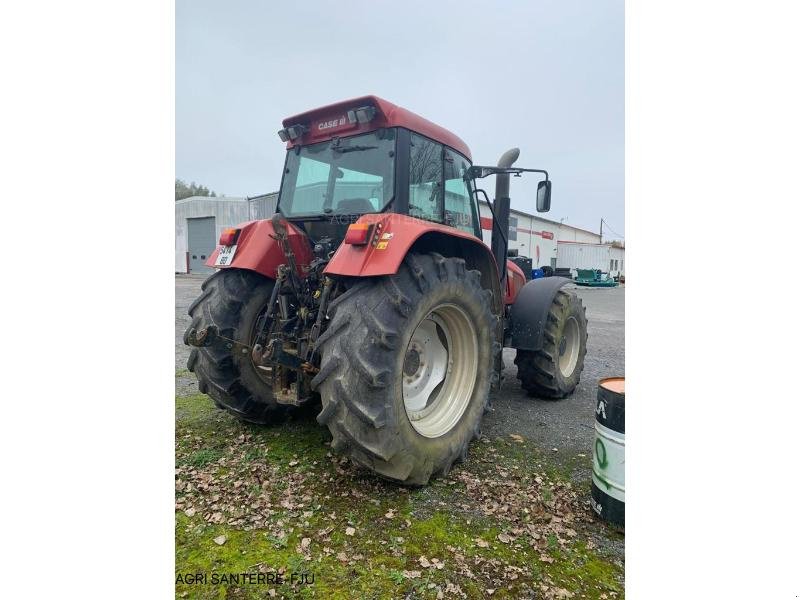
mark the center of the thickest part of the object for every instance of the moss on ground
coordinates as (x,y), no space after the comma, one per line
(266,489)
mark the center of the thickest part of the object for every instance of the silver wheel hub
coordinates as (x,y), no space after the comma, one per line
(440,370)
(569,347)
(425,366)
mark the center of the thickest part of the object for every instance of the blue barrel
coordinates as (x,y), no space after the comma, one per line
(537,274)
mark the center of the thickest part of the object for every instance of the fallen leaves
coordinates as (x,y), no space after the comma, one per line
(325,506)
(433,563)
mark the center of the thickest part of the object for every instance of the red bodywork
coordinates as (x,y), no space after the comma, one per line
(257,251)
(329,121)
(514,281)
(391,237)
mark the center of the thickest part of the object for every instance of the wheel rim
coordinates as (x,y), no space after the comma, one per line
(439,370)
(569,347)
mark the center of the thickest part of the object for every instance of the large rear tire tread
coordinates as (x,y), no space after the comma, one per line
(232,299)
(360,377)
(538,371)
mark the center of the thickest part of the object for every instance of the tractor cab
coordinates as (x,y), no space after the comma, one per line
(367,156)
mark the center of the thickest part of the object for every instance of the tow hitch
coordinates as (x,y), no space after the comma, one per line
(283,365)
(274,354)
(208,335)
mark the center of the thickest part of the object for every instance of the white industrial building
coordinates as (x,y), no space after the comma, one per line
(558,245)
(199,220)
(609,258)
(535,237)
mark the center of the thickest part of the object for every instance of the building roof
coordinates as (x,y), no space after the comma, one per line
(611,244)
(259,196)
(213,198)
(327,121)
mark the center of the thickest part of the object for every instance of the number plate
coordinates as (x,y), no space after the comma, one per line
(225,256)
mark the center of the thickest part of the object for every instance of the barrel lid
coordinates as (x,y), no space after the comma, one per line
(614,384)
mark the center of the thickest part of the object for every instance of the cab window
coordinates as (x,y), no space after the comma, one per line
(425,179)
(460,210)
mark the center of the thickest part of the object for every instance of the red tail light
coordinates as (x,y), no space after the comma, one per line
(358,234)
(228,237)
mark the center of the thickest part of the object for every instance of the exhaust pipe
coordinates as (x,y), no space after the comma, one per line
(502,207)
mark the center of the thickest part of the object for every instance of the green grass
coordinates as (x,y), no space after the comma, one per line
(288,480)
(204,456)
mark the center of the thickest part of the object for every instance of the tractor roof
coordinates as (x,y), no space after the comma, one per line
(332,120)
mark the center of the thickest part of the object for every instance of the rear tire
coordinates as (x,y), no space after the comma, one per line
(232,299)
(554,371)
(385,348)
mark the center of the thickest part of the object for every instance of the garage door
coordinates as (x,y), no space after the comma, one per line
(202,241)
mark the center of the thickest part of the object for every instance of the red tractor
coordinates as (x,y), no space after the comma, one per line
(371,290)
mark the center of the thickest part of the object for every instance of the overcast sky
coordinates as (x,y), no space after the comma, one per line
(547,77)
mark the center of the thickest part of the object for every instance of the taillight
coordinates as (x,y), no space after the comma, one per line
(358,234)
(228,237)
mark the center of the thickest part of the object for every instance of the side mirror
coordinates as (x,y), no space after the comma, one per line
(543,196)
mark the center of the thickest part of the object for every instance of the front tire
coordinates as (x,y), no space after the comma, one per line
(406,368)
(232,300)
(554,371)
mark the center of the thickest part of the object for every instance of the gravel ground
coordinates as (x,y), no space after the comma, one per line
(187,288)
(567,424)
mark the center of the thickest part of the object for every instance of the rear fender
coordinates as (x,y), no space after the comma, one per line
(528,314)
(257,251)
(394,236)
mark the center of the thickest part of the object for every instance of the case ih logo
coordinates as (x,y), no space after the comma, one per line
(547,235)
(332,123)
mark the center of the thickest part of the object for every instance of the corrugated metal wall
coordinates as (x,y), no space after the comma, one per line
(262,207)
